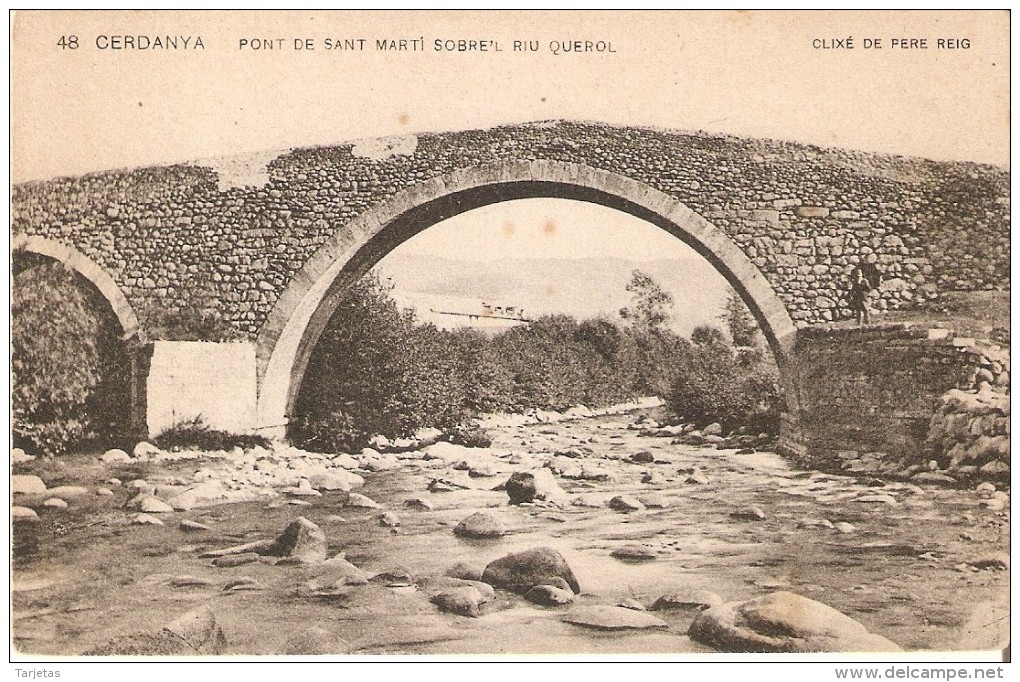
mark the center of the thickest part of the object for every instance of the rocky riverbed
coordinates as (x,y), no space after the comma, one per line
(590,535)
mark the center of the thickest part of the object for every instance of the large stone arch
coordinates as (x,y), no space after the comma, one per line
(299,316)
(87,268)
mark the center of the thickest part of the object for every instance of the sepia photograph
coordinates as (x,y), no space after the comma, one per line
(673,336)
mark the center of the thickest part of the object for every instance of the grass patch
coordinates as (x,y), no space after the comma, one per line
(195,434)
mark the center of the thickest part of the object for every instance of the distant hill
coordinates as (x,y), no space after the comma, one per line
(584,287)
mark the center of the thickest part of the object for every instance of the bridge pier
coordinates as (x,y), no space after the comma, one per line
(179,381)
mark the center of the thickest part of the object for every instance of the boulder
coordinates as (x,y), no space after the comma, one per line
(145,449)
(480,525)
(68,491)
(548,595)
(521,571)
(613,618)
(461,601)
(625,503)
(783,622)
(23,514)
(531,486)
(115,456)
(27,485)
(358,501)
(19,456)
(301,542)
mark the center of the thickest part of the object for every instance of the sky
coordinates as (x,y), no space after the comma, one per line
(543,228)
(760,74)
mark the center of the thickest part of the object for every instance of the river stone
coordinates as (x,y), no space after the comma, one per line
(783,622)
(995,561)
(192,526)
(22,484)
(23,514)
(68,491)
(687,600)
(235,560)
(104,492)
(464,572)
(521,571)
(55,503)
(643,457)
(389,520)
(115,455)
(480,525)
(713,429)
(654,501)
(625,503)
(461,601)
(749,514)
(613,618)
(145,449)
(359,501)
(153,505)
(418,503)
(339,571)
(344,481)
(529,486)
(632,604)
(200,630)
(634,552)
(19,456)
(547,595)
(146,520)
(302,542)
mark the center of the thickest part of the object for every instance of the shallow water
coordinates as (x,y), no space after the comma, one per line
(83,575)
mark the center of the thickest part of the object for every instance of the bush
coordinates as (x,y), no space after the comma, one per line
(68,367)
(719,384)
(195,434)
(470,436)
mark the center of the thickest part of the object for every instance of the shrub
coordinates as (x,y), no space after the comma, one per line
(718,384)
(195,434)
(470,436)
(68,368)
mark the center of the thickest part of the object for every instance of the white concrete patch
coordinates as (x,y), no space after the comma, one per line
(214,381)
(382,148)
(248,170)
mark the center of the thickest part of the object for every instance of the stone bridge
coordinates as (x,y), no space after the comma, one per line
(223,273)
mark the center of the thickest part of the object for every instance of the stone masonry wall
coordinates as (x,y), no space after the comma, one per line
(187,239)
(888,400)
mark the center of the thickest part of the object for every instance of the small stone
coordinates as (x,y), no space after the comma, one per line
(548,595)
(985,489)
(145,449)
(150,505)
(146,519)
(464,571)
(483,471)
(55,503)
(461,601)
(389,520)
(634,553)
(625,503)
(418,503)
(115,455)
(235,560)
(23,514)
(632,604)
(480,525)
(193,526)
(358,501)
(302,491)
(749,514)
(696,479)
(27,485)
(884,499)
(643,457)
(19,456)
(653,478)
(998,562)
(241,583)
(654,501)
(613,618)
(844,527)
(68,491)
(687,600)
(104,492)
(189,581)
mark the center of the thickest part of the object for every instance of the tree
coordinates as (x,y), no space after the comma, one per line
(651,306)
(739,321)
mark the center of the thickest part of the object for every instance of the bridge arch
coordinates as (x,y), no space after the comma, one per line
(87,268)
(285,343)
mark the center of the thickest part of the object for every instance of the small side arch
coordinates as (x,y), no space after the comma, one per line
(87,268)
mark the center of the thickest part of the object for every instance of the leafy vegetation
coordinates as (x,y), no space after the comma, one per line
(69,371)
(375,371)
(195,434)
